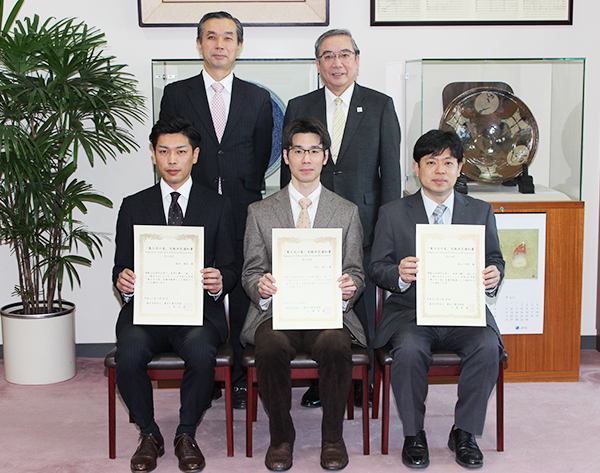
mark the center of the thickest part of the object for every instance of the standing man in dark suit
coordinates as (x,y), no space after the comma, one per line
(235,120)
(438,159)
(303,203)
(364,166)
(175,200)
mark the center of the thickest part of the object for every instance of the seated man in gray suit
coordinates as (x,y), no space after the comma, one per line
(305,149)
(438,159)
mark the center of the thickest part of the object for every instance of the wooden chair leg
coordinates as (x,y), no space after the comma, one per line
(249,410)
(365,410)
(112,427)
(229,411)
(351,402)
(385,411)
(500,409)
(376,389)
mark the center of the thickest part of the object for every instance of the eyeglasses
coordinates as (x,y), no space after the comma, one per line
(298,152)
(344,56)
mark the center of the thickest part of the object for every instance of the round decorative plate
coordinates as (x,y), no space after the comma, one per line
(498,132)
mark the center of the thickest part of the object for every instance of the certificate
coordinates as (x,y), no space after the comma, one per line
(307,263)
(450,288)
(168,284)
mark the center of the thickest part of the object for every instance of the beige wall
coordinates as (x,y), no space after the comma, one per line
(384,50)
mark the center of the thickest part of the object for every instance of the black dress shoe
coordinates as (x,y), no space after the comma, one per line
(334,456)
(187,451)
(415,453)
(279,458)
(464,446)
(311,397)
(239,397)
(148,451)
(358,394)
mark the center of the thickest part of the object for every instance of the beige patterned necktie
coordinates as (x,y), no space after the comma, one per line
(339,123)
(303,218)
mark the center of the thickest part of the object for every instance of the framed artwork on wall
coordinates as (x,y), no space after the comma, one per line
(249,12)
(471,12)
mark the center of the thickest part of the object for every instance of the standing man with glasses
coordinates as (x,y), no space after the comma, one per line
(438,157)
(304,203)
(235,120)
(176,200)
(364,165)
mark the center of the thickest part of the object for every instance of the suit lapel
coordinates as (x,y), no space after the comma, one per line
(320,107)
(325,210)
(195,206)
(352,120)
(154,207)
(418,213)
(460,214)
(197,97)
(238,97)
(283,208)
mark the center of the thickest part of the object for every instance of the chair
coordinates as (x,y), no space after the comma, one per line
(304,367)
(169,366)
(445,364)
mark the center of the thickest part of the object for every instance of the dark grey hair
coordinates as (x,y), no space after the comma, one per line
(219,15)
(338,32)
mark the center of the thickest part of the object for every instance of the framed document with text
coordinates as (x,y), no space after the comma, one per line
(450,288)
(168,284)
(307,263)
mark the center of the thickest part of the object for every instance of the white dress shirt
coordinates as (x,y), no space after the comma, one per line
(330,104)
(227,84)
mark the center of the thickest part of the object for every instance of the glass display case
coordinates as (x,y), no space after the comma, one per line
(553,91)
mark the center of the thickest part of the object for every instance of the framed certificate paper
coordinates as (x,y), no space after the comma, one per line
(307,263)
(450,288)
(168,284)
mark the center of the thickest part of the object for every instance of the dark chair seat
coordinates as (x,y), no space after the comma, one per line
(169,366)
(304,367)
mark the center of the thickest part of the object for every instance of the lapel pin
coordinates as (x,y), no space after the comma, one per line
(358,109)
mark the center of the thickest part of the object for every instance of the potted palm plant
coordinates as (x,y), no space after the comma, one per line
(61,99)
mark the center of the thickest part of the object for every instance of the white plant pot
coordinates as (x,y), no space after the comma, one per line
(38,349)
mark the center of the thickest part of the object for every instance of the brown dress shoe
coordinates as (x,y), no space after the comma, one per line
(148,451)
(189,454)
(334,455)
(279,458)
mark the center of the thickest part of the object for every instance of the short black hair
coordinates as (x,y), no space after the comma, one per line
(171,124)
(435,142)
(305,125)
(338,32)
(219,15)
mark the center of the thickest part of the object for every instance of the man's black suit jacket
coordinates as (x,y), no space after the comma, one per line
(367,171)
(205,209)
(242,157)
(395,239)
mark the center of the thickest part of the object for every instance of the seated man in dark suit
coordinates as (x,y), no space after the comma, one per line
(175,200)
(438,159)
(305,201)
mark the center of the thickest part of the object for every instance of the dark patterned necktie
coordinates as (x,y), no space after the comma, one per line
(175,213)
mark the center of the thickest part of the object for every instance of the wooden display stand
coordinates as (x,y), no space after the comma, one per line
(553,355)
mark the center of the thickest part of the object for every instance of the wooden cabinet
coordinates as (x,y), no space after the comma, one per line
(553,355)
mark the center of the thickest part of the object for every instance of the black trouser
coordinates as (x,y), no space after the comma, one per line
(238,309)
(197,346)
(274,351)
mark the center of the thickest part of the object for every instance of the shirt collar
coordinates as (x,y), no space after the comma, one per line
(430,204)
(346,95)
(184,190)
(295,195)
(226,82)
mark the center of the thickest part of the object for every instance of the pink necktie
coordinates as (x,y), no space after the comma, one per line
(217,110)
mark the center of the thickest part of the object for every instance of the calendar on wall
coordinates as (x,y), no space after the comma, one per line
(519,306)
